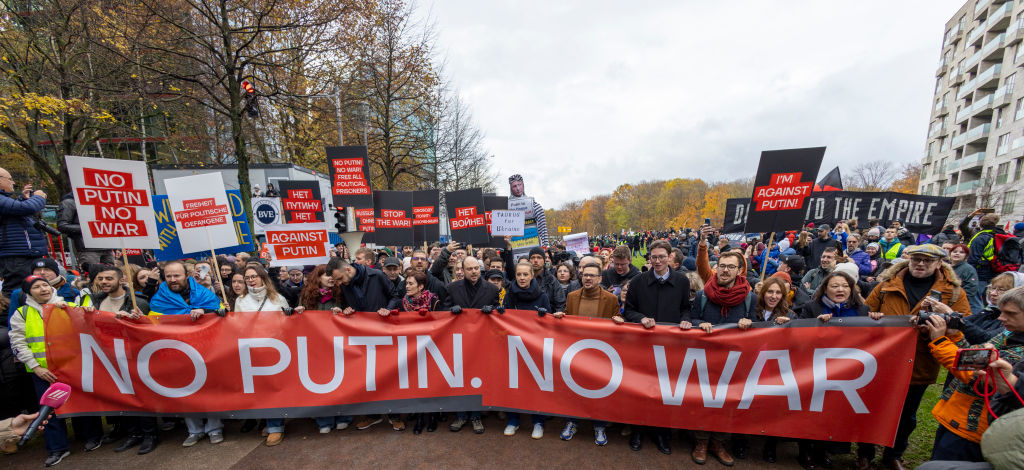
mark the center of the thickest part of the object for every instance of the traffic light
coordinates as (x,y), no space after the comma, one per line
(251,106)
(342,220)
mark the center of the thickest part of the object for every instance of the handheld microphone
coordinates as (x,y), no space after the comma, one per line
(54,398)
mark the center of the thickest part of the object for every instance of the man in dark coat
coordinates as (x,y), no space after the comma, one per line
(21,242)
(67,223)
(658,295)
(818,246)
(366,289)
(620,271)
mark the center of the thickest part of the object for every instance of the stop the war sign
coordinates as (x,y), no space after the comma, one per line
(115,207)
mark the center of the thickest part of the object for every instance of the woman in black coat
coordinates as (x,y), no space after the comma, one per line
(526,294)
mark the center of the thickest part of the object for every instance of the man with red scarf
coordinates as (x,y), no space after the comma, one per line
(726,298)
(658,295)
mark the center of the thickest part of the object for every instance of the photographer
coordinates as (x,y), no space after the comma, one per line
(21,241)
(961,425)
(904,289)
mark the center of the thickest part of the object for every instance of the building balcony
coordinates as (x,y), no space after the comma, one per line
(990,77)
(978,133)
(980,7)
(936,130)
(962,115)
(992,47)
(1014,33)
(967,88)
(1000,18)
(975,34)
(956,77)
(1003,96)
(973,160)
(983,105)
(941,109)
(959,140)
(962,188)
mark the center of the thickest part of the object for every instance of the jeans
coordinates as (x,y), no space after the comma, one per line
(331,421)
(597,424)
(949,446)
(513,419)
(13,269)
(471,415)
(275,425)
(196,425)
(908,421)
(87,428)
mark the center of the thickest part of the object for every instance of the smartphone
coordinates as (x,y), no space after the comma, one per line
(975,358)
(204,271)
(935,295)
(707,221)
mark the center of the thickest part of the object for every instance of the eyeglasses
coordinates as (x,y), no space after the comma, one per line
(658,257)
(996,290)
(251,278)
(590,275)
(923,260)
(728,267)
(419,258)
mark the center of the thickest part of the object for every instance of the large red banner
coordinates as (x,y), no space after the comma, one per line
(842,382)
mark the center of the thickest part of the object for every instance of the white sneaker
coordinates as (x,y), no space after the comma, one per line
(510,430)
(538,431)
(340,426)
(325,430)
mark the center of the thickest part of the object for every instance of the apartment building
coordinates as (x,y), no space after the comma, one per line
(975,146)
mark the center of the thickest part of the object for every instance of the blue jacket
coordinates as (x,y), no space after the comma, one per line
(863,261)
(18,236)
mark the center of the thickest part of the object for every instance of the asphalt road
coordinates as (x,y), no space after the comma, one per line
(380,446)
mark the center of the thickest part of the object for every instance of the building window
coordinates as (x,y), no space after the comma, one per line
(938,85)
(999,117)
(1003,144)
(1008,201)
(1008,83)
(1018,112)
(1002,172)
(1018,165)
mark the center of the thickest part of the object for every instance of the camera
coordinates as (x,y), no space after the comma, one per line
(953,320)
(560,257)
(44,227)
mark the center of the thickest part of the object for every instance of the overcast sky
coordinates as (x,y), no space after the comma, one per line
(582,96)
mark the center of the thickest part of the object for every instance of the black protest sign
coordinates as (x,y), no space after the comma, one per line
(735,215)
(393,218)
(301,202)
(426,222)
(783,183)
(366,223)
(494,203)
(466,217)
(919,214)
(350,176)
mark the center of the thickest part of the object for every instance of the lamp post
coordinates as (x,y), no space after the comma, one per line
(336,97)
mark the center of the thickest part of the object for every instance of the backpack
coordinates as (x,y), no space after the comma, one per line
(1008,254)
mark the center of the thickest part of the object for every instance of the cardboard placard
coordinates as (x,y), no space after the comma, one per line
(531,235)
(170,245)
(507,223)
(466,217)
(494,203)
(350,176)
(578,243)
(782,185)
(301,202)
(199,208)
(426,222)
(366,223)
(265,211)
(115,208)
(393,218)
(298,244)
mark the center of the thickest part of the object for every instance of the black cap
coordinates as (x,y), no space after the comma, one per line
(494,273)
(392,261)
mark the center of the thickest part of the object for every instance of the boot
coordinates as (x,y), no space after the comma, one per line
(418,427)
(700,452)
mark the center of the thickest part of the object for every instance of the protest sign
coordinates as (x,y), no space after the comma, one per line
(919,214)
(795,380)
(531,235)
(494,203)
(265,211)
(365,220)
(199,206)
(392,218)
(114,202)
(466,217)
(349,171)
(578,243)
(298,244)
(783,183)
(301,202)
(506,223)
(426,222)
(170,245)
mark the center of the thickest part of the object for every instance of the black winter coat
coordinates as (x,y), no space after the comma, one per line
(667,302)
(371,290)
(458,294)
(531,298)
(982,326)
(816,247)
(611,278)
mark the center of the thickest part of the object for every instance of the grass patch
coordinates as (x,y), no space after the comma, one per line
(920,449)
(638,258)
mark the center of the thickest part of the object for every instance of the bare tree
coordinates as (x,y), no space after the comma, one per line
(878,175)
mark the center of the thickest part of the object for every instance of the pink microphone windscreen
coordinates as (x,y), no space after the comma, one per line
(56,395)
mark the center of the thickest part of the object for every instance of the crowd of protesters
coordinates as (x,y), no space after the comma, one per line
(694,278)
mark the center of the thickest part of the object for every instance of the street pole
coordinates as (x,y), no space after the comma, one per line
(337,107)
(366,120)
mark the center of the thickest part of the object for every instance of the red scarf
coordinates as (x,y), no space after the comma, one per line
(425,299)
(727,297)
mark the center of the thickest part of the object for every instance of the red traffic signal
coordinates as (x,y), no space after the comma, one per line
(249,89)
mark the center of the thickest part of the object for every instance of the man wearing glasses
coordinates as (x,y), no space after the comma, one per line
(20,241)
(904,289)
(421,262)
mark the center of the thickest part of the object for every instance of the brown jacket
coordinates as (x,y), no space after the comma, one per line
(607,305)
(890,298)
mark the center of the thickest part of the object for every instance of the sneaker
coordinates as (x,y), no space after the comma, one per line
(274,439)
(340,426)
(369,421)
(538,431)
(193,439)
(600,438)
(457,425)
(397,424)
(510,430)
(569,431)
(478,426)
(55,458)
(216,437)
(93,444)
(325,430)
